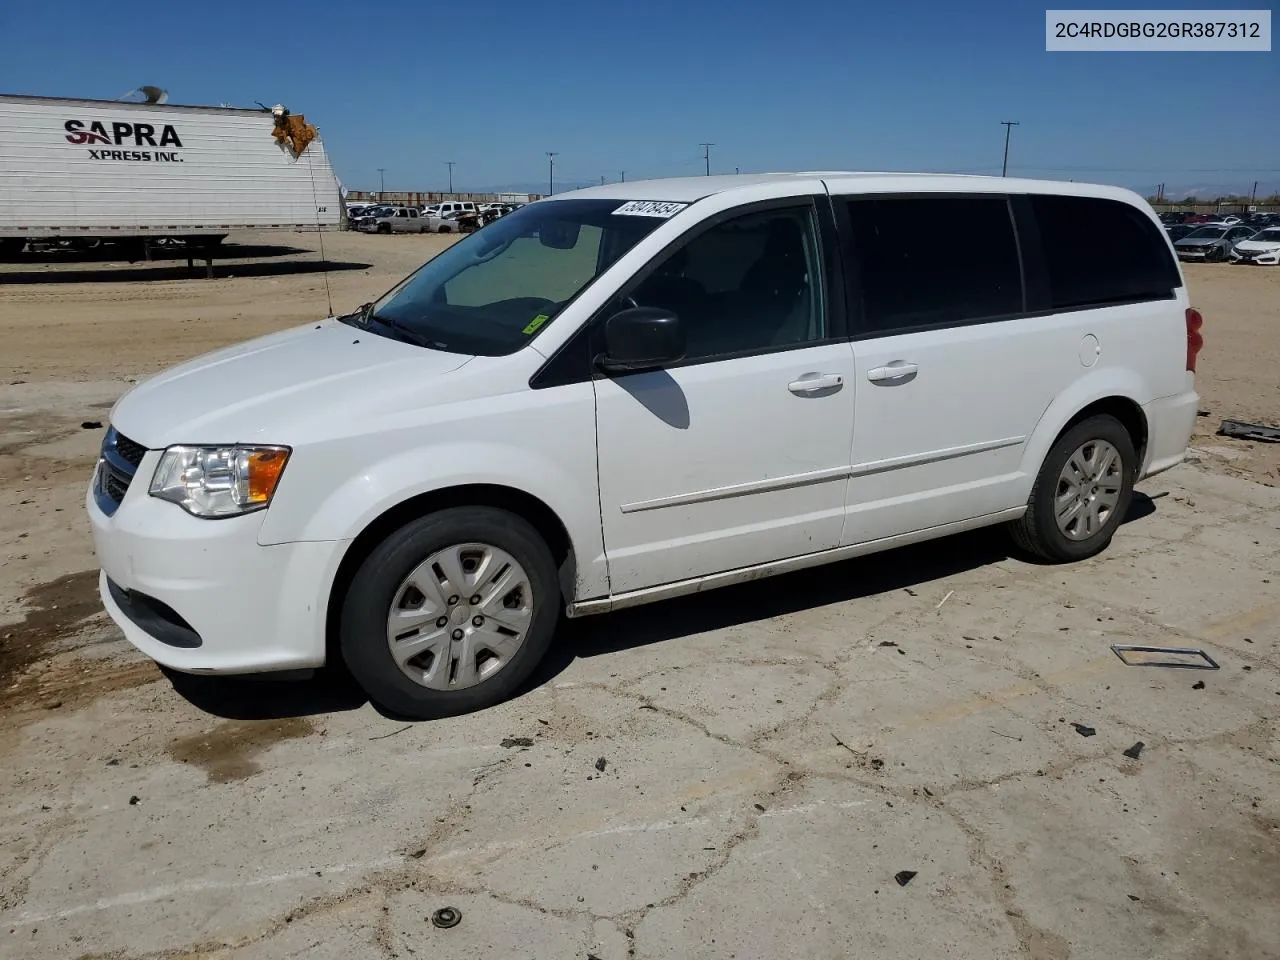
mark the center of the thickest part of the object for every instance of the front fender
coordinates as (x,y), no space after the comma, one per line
(1090,388)
(541,443)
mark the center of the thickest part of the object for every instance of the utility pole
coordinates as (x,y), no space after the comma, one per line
(1253,195)
(382,180)
(602,179)
(735,170)
(1008,129)
(551,171)
(623,175)
(449,164)
(706,155)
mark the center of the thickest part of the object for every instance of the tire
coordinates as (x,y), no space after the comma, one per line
(384,228)
(444,229)
(1217,255)
(386,582)
(1038,532)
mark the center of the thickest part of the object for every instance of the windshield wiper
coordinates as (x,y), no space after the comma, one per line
(360,318)
(406,333)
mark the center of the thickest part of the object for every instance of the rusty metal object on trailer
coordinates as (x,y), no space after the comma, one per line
(292,130)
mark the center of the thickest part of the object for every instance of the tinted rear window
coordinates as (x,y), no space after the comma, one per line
(1102,251)
(909,276)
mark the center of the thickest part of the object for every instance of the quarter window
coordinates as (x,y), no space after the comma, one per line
(1100,251)
(748,284)
(925,261)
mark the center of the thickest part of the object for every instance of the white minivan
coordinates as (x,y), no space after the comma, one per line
(641,390)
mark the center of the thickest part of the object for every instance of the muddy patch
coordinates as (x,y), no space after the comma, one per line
(54,610)
(229,751)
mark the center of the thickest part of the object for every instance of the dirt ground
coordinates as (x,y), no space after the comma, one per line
(949,710)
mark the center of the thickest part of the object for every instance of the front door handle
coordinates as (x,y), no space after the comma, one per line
(893,372)
(811,383)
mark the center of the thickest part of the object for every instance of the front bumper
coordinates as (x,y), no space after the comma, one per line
(1266,258)
(203,596)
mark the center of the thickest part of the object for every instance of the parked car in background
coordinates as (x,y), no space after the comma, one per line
(394,220)
(1211,242)
(1263,248)
(1177,231)
(1173,216)
(436,223)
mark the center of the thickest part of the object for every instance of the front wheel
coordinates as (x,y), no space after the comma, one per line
(451,613)
(1081,493)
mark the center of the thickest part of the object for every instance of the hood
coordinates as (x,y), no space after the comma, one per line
(1198,241)
(256,392)
(1258,245)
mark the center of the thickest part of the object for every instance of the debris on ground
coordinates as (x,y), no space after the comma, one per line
(419,853)
(1243,430)
(886,643)
(1198,685)
(601,764)
(510,742)
(1084,731)
(903,877)
(760,807)
(446,917)
(1188,658)
(135,800)
(950,594)
(1135,751)
(91,425)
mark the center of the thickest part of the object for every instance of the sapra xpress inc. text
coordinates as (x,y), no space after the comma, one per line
(105,140)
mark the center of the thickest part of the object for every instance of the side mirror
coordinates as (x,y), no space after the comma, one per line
(641,338)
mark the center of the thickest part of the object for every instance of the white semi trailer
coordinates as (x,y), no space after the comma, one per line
(88,171)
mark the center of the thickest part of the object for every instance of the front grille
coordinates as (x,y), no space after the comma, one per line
(130,450)
(117,465)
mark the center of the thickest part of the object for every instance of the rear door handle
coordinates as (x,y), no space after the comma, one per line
(898,370)
(811,383)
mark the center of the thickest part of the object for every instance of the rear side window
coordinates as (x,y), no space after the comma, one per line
(927,261)
(1102,251)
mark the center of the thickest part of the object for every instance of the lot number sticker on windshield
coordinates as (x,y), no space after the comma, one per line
(535,323)
(650,208)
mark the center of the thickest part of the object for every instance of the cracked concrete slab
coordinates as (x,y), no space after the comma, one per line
(773,757)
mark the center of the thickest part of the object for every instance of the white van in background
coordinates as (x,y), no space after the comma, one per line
(637,391)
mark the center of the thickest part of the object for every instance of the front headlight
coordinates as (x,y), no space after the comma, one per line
(219,481)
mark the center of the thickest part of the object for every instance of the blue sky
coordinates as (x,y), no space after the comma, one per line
(493,84)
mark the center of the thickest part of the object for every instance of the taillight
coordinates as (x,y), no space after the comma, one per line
(1195,342)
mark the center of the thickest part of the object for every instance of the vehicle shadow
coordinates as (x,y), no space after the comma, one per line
(173,270)
(332,690)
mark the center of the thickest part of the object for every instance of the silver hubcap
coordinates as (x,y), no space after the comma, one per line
(1088,489)
(460,616)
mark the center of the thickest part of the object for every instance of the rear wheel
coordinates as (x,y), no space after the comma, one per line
(384,228)
(451,613)
(1081,494)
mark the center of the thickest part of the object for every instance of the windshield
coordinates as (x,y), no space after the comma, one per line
(1270,235)
(492,291)
(1206,233)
